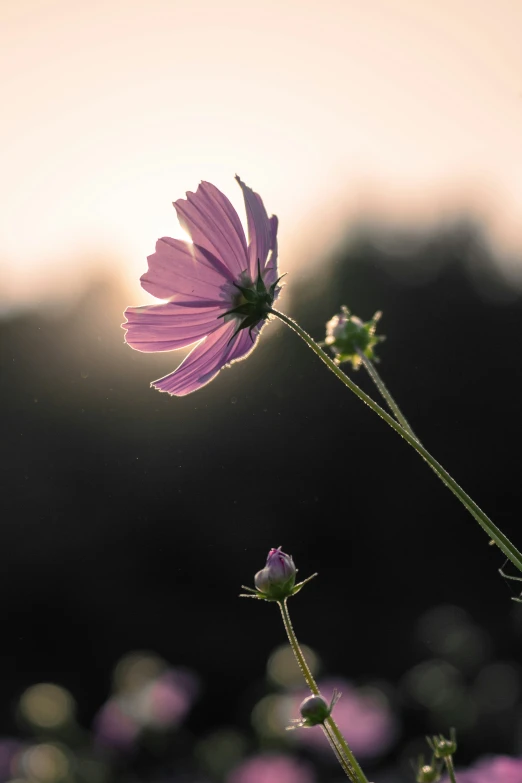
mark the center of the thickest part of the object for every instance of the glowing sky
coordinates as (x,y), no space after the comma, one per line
(114,108)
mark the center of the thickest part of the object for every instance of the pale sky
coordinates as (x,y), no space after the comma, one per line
(114,108)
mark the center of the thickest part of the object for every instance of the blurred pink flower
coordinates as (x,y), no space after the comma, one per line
(114,728)
(167,699)
(10,749)
(272,768)
(159,703)
(219,290)
(497,769)
(364,717)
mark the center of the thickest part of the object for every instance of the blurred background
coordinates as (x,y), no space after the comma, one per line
(386,137)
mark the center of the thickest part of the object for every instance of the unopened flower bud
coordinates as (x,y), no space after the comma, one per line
(276,580)
(427,773)
(347,337)
(443,747)
(314,710)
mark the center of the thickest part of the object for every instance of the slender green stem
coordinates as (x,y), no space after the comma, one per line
(294,644)
(451,769)
(385,393)
(339,755)
(350,765)
(310,681)
(484,521)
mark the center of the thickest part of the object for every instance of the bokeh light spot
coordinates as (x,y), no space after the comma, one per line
(269,716)
(449,632)
(47,706)
(136,670)
(46,763)
(283,670)
(221,751)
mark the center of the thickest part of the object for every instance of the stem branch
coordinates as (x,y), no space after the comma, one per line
(385,393)
(503,543)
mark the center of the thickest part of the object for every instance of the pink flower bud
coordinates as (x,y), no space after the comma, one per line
(277,578)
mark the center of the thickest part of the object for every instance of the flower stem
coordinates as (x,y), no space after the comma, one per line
(345,756)
(339,755)
(451,769)
(383,389)
(503,543)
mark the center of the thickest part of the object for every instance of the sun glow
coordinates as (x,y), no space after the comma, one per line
(399,104)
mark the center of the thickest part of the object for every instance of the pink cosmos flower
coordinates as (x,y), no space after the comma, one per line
(219,289)
(272,768)
(498,769)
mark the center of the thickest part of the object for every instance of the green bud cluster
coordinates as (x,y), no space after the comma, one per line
(443,748)
(427,773)
(347,336)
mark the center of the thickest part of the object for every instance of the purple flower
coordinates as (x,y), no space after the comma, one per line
(278,575)
(498,769)
(272,768)
(114,727)
(219,289)
(165,702)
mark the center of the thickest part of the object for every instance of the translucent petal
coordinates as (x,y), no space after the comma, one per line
(182,268)
(260,236)
(213,223)
(208,357)
(165,327)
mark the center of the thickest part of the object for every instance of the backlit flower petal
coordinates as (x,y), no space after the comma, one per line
(182,268)
(244,343)
(213,223)
(168,326)
(205,361)
(215,275)
(259,229)
(271,271)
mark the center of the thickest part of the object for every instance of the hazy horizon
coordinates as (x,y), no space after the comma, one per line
(407,112)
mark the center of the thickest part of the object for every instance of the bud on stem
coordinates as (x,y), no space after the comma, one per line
(276,581)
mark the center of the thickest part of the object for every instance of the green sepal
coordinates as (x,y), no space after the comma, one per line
(249,323)
(242,309)
(253,303)
(264,597)
(250,296)
(260,283)
(274,285)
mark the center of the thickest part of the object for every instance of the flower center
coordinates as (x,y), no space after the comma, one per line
(253,303)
